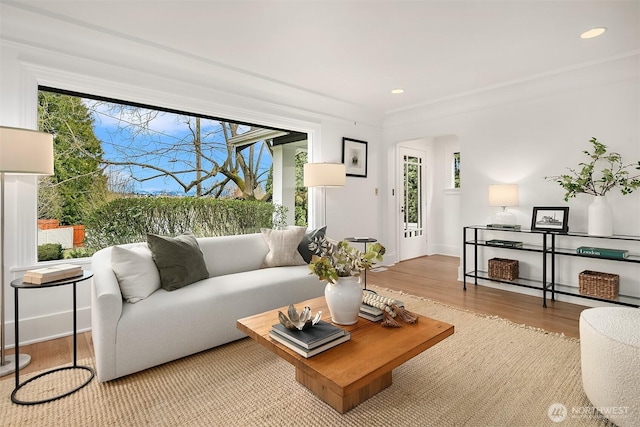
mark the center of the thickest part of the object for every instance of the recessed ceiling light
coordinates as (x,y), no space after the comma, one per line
(397,91)
(594,32)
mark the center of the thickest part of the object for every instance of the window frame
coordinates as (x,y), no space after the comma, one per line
(21,191)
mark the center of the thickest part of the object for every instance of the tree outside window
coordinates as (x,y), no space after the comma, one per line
(105,151)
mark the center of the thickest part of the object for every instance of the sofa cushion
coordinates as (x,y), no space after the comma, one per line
(303,247)
(283,246)
(221,253)
(137,274)
(179,260)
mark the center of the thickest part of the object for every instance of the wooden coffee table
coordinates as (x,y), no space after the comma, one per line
(350,373)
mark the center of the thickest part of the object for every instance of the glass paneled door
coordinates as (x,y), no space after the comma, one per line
(413,239)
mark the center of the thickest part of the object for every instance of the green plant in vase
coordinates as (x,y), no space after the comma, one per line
(342,259)
(589,179)
(340,265)
(603,172)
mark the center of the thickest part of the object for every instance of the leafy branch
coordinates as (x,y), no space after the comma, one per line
(588,180)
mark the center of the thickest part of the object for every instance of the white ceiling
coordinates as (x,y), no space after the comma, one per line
(357,51)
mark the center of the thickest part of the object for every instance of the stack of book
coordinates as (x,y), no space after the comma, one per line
(374,314)
(504,243)
(514,227)
(322,336)
(602,252)
(52,274)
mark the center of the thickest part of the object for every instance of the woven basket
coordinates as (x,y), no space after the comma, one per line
(504,269)
(597,284)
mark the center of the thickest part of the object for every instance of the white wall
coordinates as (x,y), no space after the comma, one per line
(520,134)
(445,212)
(353,210)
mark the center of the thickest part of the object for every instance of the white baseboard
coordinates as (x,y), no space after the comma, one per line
(448,250)
(44,328)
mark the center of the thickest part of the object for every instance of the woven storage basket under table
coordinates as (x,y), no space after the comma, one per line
(598,284)
(503,268)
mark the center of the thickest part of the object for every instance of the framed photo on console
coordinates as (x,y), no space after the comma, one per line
(554,219)
(354,157)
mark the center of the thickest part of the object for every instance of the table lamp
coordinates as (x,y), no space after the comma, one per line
(29,152)
(324,175)
(503,195)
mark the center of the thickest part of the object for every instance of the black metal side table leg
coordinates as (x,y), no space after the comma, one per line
(19,386)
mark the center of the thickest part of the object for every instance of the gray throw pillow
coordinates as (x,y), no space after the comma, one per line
(303,247)
(179,260)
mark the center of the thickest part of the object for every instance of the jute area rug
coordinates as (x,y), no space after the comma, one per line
(491,372)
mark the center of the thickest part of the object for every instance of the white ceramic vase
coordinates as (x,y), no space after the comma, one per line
(600,220)
(344,299)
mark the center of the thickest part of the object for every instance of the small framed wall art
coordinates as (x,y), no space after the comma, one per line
(555,219)
(354,157)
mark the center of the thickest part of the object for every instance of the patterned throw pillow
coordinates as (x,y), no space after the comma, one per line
(310,235)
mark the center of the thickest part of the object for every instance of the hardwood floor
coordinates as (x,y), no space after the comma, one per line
(433,277)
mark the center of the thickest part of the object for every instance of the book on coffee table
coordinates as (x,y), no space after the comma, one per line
(371,317)
(304,352)
(321,333)
(374,314)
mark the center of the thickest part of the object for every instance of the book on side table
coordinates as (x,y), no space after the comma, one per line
(312,341)
(513,227)
(504,243)
(602,252)
(52,274)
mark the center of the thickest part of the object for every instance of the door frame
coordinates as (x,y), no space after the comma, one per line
(420,151)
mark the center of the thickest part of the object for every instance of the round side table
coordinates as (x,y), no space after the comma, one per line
(364,240)
(19,284)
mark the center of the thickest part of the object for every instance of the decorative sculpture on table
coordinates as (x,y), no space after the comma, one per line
(302,321)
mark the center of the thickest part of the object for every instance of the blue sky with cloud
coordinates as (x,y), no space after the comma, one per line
(165,141)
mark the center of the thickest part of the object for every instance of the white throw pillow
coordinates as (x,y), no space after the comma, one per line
(283,246)
(137,274)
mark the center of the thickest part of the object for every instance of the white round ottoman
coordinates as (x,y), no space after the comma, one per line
(610,359)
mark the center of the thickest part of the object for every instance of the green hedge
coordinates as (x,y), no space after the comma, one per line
(128,220)
(50,252)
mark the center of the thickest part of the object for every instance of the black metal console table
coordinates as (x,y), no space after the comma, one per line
(19,284)
(550,246)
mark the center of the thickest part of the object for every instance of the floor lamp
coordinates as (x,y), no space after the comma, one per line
(22,151)
(324,175)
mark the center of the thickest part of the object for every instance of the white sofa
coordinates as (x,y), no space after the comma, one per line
(169,325)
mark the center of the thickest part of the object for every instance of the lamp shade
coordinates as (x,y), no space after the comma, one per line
(324,175)
(24,151)
(503,195)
